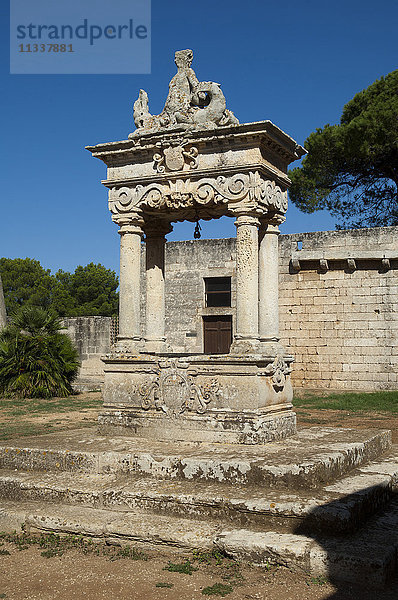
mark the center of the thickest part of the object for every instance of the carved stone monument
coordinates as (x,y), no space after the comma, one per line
(195,161)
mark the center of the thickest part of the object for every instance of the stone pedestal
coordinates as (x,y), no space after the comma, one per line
(220,398)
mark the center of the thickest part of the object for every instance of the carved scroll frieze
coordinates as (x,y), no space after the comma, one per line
(200,396)
(273,197)
(175,392)
(249,191)
(278,369)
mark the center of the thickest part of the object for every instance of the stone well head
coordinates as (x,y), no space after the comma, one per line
(195,161)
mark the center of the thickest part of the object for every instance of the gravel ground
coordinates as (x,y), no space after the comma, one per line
(27,574)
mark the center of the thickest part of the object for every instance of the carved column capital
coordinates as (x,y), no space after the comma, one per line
(246,219)
(271,225)
(129,223)
(157,229)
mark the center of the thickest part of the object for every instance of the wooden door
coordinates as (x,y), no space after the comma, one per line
(217,332)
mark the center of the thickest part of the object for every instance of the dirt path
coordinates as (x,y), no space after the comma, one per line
(27,575)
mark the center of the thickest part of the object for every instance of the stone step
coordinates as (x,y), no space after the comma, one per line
(311,459)
(338,508)
(368,557)
(112,527)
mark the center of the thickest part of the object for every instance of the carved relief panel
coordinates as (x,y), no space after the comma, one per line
(175,392)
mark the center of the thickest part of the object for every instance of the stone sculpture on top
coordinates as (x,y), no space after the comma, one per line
(190,104)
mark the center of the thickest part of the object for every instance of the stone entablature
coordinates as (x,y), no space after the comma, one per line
(241,169)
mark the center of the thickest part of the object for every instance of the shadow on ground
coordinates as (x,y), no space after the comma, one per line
(361,559)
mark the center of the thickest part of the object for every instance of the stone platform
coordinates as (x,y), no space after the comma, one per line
(326,503)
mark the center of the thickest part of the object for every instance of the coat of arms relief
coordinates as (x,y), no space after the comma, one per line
(175,392)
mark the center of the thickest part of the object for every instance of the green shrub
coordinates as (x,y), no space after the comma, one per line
(36,359)
(218,589)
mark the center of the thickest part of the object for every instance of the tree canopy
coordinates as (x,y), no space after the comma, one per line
(90,290)
(25,283)
(352,168)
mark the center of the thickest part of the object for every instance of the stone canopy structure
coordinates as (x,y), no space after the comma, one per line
(195,161)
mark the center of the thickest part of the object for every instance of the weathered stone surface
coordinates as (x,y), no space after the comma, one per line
(92,337)
(109,526)
(261,548)
(367,557)
(322,510)
(313,457)
(204,398)
(322,504)
(341,324)
(190,104)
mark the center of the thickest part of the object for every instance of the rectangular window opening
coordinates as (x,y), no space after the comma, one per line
(218,291)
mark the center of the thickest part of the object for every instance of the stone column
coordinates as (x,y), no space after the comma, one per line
(155,340)
(246,336)
(268,281)
(129,338)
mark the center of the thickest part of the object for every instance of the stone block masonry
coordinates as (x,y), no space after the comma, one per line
(339,319)
(339,308)
(92,338)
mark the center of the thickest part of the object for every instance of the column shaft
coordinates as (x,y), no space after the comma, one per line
(155,292)
(129,337)
(269,283)
(246,337)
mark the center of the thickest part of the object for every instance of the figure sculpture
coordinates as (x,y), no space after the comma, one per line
(190,104)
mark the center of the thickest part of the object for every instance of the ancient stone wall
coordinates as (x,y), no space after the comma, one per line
(338,306)
(92,338)
(187,265)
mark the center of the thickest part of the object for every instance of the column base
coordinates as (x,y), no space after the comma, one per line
(128,345)
(241,346)
(271,347)
(157,346)
(227,427)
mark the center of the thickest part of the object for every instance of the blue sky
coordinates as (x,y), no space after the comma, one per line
(295,63)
